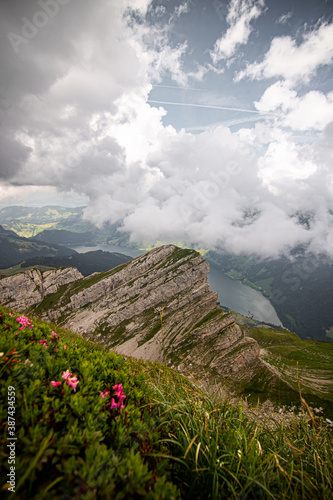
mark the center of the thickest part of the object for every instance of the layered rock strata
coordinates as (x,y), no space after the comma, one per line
(29,288)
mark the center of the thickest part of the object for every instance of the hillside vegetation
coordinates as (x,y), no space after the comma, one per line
(91,424)
(14,249)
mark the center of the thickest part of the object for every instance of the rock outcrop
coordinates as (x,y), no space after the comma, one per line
(157,307)
(29,288)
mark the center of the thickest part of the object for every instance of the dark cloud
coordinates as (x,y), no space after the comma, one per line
(13,156)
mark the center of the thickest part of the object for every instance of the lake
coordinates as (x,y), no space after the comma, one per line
(231,293)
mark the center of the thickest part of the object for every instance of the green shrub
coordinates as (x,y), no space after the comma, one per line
(70,443)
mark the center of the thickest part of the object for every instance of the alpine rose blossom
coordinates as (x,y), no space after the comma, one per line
(54,384)
(70,379)
(105,393)
(118,389)
(24,321)
(66,374)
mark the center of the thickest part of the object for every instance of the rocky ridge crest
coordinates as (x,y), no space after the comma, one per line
(157,307)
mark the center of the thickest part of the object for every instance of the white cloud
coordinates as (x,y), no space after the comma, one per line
(295,63)
(312,111)
(240,15)
(283,163)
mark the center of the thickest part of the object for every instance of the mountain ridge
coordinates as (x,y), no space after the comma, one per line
(157,307)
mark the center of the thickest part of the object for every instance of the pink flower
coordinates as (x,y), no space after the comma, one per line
(118,389)
(114,406)
(72,381)
(66,375)
(53,334)
(65,347)
(23,320)
(54,384)
(105,393)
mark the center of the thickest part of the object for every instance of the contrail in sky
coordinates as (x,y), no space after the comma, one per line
(178,88)
(203,106)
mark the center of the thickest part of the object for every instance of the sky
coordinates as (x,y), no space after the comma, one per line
(207,122)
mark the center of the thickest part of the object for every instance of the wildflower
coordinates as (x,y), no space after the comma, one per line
(105,393)
(114,406)
(1,354)
(23,320)
(44,343)
(55,384)
(65,347)
(72,381)
(118,388)
(66,374)
(53,334)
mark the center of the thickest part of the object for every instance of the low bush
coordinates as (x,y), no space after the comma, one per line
(77,436)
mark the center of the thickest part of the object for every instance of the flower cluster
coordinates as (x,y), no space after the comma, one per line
(53,340)
(69,378)
(23,320)
(117,391)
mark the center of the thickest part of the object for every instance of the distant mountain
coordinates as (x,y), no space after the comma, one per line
(29,221)
(64,237)
(86,263)
(15,249)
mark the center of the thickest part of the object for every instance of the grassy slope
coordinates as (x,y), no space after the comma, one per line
(172,439)
(10,271)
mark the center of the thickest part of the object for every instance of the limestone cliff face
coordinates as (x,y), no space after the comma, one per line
(29,288)
(157,307)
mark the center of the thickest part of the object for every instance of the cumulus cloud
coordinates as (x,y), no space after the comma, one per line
(311,111)
(240,15)
(295,63)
